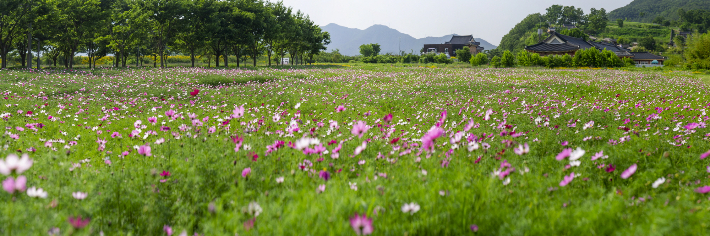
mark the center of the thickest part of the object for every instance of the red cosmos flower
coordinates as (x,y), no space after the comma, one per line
(194,93)
(165,174)
(394,140)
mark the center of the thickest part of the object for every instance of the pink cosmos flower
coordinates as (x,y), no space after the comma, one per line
(705,155)
(195,92)
(238,112)
(340,109)
(598,155)
(325,175)
(144,150)
(691,126)
(79,223)
(564,154)
(564,143)
(246,172)
(628,172)
(168,230)
(359,129)
(165,174)
(361,224)
(704,189)
(567,180)
(520,150)
(170,113)
(474,228)
(321,188)
(11,185)
(429,138)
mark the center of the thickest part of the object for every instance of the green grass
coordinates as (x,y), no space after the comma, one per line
(206,193)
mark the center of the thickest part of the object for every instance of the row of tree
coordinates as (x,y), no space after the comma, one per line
(590,57)
(156,28)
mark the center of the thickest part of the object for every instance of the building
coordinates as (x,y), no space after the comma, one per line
(569,26)
(559,44)
(457,42)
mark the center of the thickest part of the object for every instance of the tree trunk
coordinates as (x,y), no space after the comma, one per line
(237,53)
(23,55)
(269,54)
(216,59)
(155,61)
(192,57)
(226,60)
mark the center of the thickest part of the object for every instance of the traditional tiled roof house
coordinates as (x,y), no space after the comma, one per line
(559,44)
(457,42)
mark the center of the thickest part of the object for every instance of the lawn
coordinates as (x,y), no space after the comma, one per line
(347,150)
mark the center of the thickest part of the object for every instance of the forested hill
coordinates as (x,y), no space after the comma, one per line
(515,39)
(648,10)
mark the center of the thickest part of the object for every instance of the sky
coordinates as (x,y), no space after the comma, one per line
(489,19)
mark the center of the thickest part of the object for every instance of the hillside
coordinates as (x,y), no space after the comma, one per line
(668,9)
(348,40)
(515,39)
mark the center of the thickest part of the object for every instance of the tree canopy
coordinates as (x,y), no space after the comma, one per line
(245,28)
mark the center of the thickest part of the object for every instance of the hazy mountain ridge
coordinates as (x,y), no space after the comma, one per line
(348,40)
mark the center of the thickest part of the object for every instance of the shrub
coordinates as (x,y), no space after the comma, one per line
(464,54)
(479,59)
(507,60)
(697,53)
(495,62)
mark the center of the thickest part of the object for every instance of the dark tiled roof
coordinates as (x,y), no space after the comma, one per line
(574,41)
(460,39)
(545,47)
(646,56)
(610,47)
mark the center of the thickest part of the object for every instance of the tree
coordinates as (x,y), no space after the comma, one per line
(554,13)
(369,50)
(14,16)
(648,42)
(464,54)
(495,62)
(639,49)
(507,60)
(77,21)
(697,53)
(620,23)
(658,20)
(622,40)
(192,34)
(597,20)
(479,59)
(164,17)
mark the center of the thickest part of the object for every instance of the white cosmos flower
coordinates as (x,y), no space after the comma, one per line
(14,163)
(280,179)
(658,182)
(79,195)
(576,154)
(36,192)
(410,208)
(254,209)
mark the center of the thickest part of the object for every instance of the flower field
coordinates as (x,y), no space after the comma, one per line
(348,151)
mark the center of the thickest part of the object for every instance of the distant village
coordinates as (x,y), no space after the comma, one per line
(559,44)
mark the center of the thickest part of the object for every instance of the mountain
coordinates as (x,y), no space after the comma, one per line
(348,40)
(667,9)
(515,39)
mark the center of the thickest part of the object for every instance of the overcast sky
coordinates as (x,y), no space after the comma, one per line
(486,19)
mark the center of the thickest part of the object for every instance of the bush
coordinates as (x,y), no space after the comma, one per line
(464,54)
(442,58)
(507,60)
(479,59)
(673,61)
(495,62)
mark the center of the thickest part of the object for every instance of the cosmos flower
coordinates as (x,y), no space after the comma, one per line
(340,108)
(144,150)
(359,128)
(36,192)
(567,180)
(14,163)
(598,155)
(321,188)
(520,150)
(325,175)
(705,155)
(410,208)
(361,224)
(564,154)
(246,172)
(704,189)
(79,195)
(11,185)
(280,179)
(254,209)
(79,223)
(658,182)
(628,172)
(388,118)
(194,92)
(238,112)
(168,230)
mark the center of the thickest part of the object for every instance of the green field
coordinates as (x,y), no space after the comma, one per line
(301,151)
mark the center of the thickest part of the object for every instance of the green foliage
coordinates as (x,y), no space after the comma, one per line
(464,54)
(674,60)
(697,53)
(623,40)
(442,58)
(620,23)
(577,33)
(648,42)
(667,9)
(696,19)
(479,59)
(410,58)
(369,50)
(507,60)
(597,20)
(524,58)
(428,58)
(495,62)
(639,49)
(516,38)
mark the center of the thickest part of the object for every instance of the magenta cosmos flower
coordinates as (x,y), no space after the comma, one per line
(705,155)
(567,180)
(564,154)
(325,175)
(704,189)
(361,224)
(246,172)
(78,222)
(144,150)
